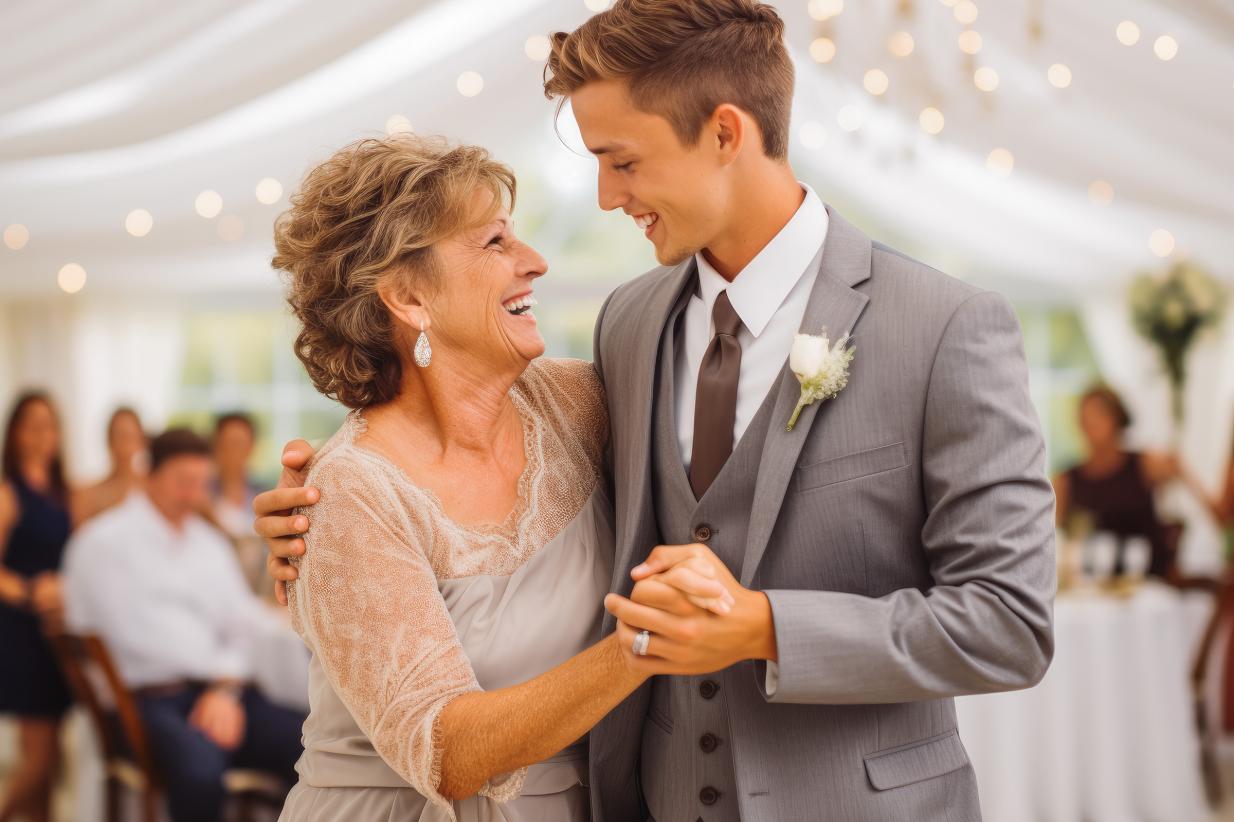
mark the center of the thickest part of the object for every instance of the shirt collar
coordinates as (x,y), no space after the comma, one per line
(762,286)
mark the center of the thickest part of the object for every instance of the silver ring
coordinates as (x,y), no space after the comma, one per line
(641,640)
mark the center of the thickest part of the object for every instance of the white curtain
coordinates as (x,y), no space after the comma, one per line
(1132,367)
(93,357)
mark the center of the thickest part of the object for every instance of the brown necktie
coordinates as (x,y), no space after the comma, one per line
(715,402)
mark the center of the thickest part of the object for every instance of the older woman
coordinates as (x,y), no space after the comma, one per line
(458,557)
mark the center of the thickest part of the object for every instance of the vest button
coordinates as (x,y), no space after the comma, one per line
(702,533)
(708,742)
(709,795)
(709,688)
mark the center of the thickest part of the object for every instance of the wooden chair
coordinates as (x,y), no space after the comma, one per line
(127,757)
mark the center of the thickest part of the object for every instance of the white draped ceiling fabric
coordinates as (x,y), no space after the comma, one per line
(106,108)
(110,107)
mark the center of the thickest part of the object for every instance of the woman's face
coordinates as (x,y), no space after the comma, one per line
(481,302)
(127,440)
(1098,423)
(38,434)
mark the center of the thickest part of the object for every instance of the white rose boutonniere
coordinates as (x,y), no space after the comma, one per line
(822,370)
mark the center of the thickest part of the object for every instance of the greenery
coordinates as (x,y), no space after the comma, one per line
(1170,311)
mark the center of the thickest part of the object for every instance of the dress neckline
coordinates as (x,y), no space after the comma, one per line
(515,523)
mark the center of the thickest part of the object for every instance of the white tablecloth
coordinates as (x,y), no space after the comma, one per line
(280,663)
(1109,733)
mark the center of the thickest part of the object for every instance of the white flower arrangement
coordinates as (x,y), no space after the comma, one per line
(1170,310)
(821,369)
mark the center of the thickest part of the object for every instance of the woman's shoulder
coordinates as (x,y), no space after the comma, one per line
(567,384)
(568,393)
(341,464)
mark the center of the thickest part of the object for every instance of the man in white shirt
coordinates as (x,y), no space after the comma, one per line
(163,589)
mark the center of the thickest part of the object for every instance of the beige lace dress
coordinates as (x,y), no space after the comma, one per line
(404,609)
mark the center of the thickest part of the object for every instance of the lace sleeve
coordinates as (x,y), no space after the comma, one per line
(368,605)
(569,394)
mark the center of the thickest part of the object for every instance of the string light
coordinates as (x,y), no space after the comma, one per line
(208,204)
(72,278)
(16,236)
(1060,75)
(268,191)
(986,78)
(823,50)
(1166,47)
(398,124)
(850,118)
(138,222)
(901,44)
(1101,192)
(1128,33)
(537,48)
(931,120)
(876,82)
(970,41)
(470,83)
(824,10)
(965,12)
(1001,162)
(1161,243)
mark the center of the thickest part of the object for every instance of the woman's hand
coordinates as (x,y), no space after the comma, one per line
(687,639)
(47,596)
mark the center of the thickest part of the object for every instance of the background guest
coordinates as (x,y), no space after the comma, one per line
(235,437)
(161,586)
(34,527)
(126,443)
(1114,486)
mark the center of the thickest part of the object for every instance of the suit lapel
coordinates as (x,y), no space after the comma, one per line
(637,507)
(835,305)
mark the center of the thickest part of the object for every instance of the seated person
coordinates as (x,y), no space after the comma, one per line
(1114,486)
(162,588)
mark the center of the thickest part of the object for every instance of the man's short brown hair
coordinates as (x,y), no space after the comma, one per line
(176,442)
(682,59)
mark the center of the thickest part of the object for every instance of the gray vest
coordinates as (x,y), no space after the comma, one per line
(687,766)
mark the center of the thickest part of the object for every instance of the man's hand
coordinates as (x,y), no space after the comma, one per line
(685,638)
(275,522)
(219,715)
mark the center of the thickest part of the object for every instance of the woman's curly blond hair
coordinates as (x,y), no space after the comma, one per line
(368,217)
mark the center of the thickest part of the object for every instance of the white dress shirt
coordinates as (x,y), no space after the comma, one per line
(770,296)
(170,603)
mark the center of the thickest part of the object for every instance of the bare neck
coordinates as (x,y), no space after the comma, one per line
(765,199)
(453,406)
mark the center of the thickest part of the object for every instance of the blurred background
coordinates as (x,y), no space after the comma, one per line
(1073,156)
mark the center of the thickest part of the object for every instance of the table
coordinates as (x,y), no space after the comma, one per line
(1108,734)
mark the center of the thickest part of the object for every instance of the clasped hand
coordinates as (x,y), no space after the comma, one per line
(701,619)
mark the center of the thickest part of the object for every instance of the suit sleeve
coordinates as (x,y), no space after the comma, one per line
(986,625)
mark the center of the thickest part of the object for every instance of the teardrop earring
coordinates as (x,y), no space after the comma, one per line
(424,351)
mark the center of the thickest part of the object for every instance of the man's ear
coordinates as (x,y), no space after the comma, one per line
(728,129)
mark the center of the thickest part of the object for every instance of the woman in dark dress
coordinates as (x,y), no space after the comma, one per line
(1113,486)
(34,527)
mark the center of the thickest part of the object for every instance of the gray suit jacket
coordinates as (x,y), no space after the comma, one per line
(903,533)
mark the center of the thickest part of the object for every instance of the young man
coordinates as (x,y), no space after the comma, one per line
(892,550)
(162,588)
